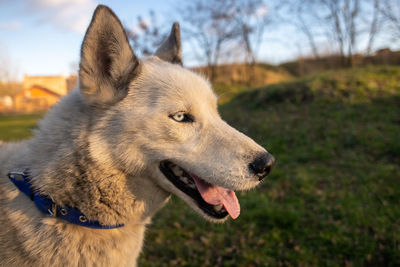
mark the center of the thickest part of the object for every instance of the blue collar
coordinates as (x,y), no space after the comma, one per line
(46,205)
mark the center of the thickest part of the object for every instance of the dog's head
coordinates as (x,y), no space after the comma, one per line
(157,118)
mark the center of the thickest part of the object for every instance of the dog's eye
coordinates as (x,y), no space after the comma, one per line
(181,116)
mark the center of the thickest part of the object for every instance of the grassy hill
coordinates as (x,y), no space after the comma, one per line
(333,198)
(233,78)
(310,65)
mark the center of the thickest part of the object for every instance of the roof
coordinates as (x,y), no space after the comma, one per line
(41,88)
(44,76)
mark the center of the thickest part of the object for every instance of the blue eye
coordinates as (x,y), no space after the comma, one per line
(181,116)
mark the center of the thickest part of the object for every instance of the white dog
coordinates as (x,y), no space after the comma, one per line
(109,155)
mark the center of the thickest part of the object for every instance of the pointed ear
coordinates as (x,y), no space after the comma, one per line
(108,63)
(171,50)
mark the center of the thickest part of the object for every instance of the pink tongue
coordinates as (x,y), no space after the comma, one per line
(216,195)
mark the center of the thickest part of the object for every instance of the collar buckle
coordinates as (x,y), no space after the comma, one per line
(53,210)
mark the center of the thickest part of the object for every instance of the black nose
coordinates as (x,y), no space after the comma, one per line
(262,165)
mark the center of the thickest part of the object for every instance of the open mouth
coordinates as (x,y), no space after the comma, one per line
(215,201)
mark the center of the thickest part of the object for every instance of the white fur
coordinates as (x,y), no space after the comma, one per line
(100,151)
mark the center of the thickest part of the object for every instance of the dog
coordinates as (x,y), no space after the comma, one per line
(110,154)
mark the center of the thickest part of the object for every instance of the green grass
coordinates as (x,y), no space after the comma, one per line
(225,92)
(17,127)
(333,198)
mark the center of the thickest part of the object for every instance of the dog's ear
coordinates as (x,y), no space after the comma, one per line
(171,50)
(108,63)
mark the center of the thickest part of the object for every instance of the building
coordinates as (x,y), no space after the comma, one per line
(39,93)
(36,98)
(6,103)
(60,85)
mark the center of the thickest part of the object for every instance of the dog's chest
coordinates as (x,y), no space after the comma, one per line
(100,248)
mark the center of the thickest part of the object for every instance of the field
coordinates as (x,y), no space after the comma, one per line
(333,198)
(17,127)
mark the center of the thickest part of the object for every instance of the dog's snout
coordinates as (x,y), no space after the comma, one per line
(262,165)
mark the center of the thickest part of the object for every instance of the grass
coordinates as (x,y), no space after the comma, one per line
(333,198)
(17,127)
(226,92)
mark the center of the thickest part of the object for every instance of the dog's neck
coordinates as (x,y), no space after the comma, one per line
(72,176)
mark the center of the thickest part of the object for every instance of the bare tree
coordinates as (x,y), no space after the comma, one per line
(305,18)
(374,26)
(9,84)
(250,19)
(221,29)
(350,20)
(340,20)
(147,34)
(210,29)
(342,23)
(390,9)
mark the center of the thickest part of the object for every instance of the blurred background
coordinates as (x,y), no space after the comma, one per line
(316,82)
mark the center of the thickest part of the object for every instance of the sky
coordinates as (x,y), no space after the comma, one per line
(43,37)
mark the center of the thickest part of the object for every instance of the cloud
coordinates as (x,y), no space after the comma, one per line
(11,25)
(73,15)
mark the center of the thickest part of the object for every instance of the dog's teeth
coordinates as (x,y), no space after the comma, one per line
(218,207)
(177,171)
(184,179)
(192,185)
